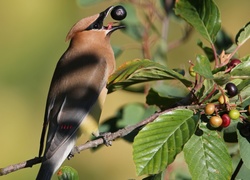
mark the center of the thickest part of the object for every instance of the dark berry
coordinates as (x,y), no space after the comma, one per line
(233,63)
(231,89)
(118,13)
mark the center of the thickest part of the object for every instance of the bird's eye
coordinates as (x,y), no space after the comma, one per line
(95,26)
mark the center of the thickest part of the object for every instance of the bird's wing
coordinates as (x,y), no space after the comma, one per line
(70,107)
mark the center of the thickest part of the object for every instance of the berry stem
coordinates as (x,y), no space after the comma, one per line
(209,95)
(215,56)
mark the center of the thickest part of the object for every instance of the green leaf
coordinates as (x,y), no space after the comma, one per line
(165,96)
(229,133)
(223,41)
(243,35)
(138,71)
(244,149)
(203,15)
(242,69)
(134,113)
(245,58)
(207,156)
(207,87)
(159,142)
(127,115)
(208,51)
(88,2)
(202,67)
(221,78)
(67,173)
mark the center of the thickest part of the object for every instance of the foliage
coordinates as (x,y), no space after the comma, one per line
(185,127)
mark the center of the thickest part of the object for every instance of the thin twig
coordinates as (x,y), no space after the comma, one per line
(94,143)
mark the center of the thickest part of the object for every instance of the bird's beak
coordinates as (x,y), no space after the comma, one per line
(110,27)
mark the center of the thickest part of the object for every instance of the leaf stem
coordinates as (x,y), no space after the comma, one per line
(240,77)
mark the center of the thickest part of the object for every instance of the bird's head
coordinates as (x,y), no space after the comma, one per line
(94,23)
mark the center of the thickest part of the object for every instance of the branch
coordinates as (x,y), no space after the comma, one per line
(107,137)
(18,166)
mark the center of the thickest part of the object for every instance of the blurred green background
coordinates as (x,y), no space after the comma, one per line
(32,39)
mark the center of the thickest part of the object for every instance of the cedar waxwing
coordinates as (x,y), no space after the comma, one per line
(78,85)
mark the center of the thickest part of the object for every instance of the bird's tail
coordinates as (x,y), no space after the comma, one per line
(45,172)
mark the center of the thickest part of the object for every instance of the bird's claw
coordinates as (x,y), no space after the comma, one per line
(70,156)
(73,151)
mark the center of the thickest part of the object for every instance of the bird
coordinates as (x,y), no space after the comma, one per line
(77,90)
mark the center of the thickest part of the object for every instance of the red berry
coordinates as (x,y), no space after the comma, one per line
(233,63)
(225,120)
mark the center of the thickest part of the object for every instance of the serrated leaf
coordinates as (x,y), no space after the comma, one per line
(203,15)
(243,35)
(138,71)
(202,67)
(159,142)
(244,146)
(207,156)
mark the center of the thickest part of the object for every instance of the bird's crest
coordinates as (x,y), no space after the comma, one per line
(81,26)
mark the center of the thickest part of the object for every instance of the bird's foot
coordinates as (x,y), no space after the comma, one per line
(70,156)
(73,151)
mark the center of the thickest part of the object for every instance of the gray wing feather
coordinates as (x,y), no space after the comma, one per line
(72,94)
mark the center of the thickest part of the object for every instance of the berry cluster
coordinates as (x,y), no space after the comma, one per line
(220,117)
